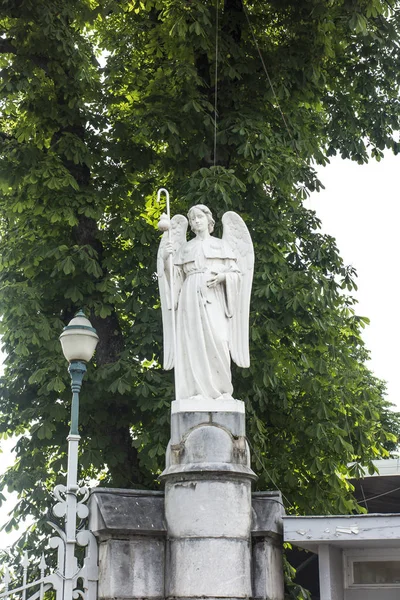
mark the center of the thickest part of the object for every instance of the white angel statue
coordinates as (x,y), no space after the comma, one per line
(211,281)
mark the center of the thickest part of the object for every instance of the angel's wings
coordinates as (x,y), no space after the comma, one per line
(237,236)
(178,228)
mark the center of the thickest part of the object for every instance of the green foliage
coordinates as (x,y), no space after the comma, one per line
(104,102)
(293,590)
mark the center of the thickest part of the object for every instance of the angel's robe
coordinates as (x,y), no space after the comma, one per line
(203,318)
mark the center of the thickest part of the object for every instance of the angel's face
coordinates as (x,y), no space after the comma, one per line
(198,221)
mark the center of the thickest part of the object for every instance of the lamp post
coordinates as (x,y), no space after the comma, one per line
(78,340)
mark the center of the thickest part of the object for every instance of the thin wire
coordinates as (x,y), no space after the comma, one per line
(267,74)
(216,81)
(379,495)
(365,500)
(268,474)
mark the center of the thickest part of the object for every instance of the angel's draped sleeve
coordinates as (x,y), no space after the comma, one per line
(232,289)
(232,281)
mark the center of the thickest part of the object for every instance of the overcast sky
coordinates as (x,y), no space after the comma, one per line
(360,208)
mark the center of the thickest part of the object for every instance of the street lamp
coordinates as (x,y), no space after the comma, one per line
(78,340)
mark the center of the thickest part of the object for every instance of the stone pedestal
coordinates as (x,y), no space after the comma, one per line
(208,501)
(207,536)
(267,554)
(131,532)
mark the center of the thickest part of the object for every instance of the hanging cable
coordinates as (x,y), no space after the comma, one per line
(365,501)
(267,74)
(265,470)
(378,496)
(216,81)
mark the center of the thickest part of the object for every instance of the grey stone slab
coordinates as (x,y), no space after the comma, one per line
(208,509)
(210,513)
(195,471)
(267,567)
(208,568)
(208,444)
(130,569)
(267,537)
(233,422)
(183,422)
(212,448)
(126,512)
(268,512)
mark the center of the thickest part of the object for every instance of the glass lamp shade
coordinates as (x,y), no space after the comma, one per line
(79,339)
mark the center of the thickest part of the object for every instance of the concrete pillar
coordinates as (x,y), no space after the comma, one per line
(267,533)
(129,527)
(331,580)
(208,509)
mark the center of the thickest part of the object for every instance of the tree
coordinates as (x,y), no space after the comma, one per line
(84,148)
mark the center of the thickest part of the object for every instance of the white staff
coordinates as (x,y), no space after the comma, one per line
(165,225)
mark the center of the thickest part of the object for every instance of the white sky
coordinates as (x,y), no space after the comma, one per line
(6,460)
(360,208)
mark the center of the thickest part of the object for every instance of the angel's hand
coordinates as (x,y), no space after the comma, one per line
(218,278)
(169,249)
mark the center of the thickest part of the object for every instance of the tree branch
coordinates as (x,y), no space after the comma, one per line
(6,46)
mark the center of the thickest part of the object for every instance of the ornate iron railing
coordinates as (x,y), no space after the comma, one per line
(69,580)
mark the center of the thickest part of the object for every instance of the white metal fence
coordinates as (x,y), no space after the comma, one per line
(70,580)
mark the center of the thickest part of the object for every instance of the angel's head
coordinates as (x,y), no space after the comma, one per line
(200,210)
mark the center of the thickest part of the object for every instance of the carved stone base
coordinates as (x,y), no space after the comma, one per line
(129,526)
(208,500)
(218,544)
(134,564)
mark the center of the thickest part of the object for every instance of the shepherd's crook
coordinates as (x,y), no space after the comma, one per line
(171,270)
